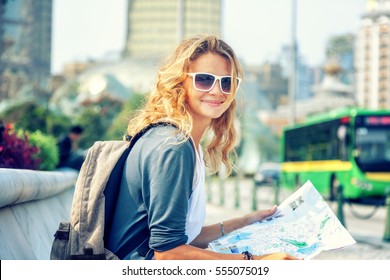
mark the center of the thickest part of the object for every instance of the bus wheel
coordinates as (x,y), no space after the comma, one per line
(334,184)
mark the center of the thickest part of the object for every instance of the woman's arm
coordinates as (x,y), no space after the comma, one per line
(188,252)
(212,232)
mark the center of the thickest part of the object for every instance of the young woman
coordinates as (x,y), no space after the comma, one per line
(161,201)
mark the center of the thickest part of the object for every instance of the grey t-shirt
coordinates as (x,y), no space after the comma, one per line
(153,197)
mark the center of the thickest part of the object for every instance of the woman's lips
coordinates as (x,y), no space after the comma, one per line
(213,103)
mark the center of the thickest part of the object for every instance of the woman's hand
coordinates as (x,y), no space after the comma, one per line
(187,252)
(259,215)
(212,232)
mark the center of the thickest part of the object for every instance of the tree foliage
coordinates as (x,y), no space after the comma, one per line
(119,125)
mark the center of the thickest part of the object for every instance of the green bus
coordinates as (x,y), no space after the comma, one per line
(348,147)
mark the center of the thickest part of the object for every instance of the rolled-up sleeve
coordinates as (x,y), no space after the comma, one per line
(167,182)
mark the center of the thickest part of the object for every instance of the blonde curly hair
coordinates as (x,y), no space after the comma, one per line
(167,101)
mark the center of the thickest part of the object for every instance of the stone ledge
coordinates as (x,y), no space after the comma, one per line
(32,204)
(22,185)
(27,229)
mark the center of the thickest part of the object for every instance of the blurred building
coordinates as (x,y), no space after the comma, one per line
(72,70)
(331,93)
(25,45)
(372,57)
(115,81)
(272,83)
(155,26)
(272,78)
(304,74)
(340,49)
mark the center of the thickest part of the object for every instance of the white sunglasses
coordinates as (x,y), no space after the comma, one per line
(206,81)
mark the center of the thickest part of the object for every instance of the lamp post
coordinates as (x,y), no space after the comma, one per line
(2,68)
(180,19)
(293,61)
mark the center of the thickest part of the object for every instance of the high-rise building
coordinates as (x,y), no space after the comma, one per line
(155,26)
(272,84)
(372,57)
(329,94)
(304,77)
(25,45)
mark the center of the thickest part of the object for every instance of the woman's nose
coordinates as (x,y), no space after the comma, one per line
(216,89)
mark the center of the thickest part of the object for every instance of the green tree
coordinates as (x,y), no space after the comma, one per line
(31,116)
(118,127)
(94,127)
(26,115)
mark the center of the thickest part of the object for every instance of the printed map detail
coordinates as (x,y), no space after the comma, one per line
(303,226)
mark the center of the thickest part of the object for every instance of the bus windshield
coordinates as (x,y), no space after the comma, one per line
(372,147)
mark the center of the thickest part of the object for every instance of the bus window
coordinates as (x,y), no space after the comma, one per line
(372,149)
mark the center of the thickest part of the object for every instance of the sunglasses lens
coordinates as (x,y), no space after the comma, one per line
(226,84)
(204,81)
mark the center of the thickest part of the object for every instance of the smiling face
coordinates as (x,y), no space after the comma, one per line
(205,106)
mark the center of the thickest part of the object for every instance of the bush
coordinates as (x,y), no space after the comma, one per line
(48,150)
(15,151)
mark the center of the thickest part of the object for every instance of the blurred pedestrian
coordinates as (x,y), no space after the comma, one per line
(67,147)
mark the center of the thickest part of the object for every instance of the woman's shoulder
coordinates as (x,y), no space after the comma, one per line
(166,135)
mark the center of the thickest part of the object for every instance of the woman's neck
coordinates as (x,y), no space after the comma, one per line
(197,134)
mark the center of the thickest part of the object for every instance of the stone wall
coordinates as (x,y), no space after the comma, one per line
(32,203)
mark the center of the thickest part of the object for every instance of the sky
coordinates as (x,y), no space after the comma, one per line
(256,29)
